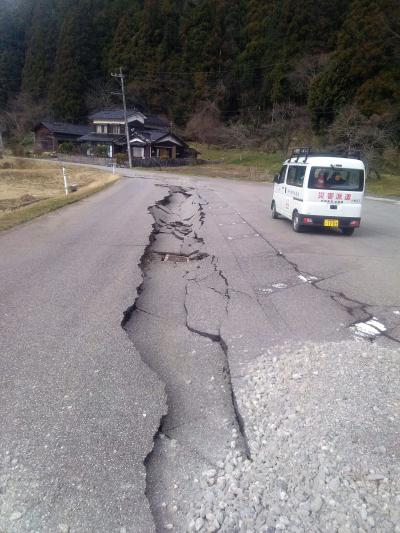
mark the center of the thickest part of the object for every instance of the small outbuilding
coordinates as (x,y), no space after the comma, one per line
(49,135)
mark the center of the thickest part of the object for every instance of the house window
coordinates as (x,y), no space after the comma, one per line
(138,152)
(101,128)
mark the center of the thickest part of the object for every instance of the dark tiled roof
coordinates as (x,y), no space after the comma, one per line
(134,133)
(150,121)
(112,114)
(65,128)
(155,122)
(102,137)
(155,135)
(150,135)
(147,134)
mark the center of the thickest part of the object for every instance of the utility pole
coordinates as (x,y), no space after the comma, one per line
(121,79)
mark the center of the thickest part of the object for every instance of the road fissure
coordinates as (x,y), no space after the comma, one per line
(175,324)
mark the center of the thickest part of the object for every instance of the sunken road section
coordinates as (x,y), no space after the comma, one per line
(317,451)
(175,325)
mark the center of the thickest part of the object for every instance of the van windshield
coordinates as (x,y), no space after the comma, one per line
(343,179)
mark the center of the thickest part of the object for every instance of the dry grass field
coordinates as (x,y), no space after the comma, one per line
(30,188)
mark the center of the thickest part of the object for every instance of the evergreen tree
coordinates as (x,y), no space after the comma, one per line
(127,26)
(212,36)
(41,49)
(12,35)
(77,63)
(364,69)
(147,46)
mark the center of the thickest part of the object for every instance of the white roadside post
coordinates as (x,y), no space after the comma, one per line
(65,181)
(114,165)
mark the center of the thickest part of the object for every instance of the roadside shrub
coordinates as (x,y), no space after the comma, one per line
(100,151)
(66,148)
(121,159)
(85,148)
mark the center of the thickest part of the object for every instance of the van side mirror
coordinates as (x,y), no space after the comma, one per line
(276,178)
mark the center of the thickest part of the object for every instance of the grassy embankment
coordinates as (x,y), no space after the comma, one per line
(389,185)
(243,164)
(254,165)
(32,188)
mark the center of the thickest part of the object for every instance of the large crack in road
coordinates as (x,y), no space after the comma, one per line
(175,325)
(204,313)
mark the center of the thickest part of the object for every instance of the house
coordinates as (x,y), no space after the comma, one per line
(49,135)
(108,130)
(150,136)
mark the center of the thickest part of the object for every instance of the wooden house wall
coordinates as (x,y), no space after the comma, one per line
(45,139)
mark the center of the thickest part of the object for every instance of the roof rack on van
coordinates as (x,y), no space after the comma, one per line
(307,152)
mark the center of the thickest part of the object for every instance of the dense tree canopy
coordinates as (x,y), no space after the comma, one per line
(365,67)
(12,37)
(244,56)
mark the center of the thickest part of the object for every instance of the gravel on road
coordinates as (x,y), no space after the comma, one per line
(322,422)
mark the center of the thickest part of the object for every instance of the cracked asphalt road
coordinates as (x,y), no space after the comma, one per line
(80,402)
(257,297)
(78,407)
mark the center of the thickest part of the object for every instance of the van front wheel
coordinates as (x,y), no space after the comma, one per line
(274,212)
(297,227)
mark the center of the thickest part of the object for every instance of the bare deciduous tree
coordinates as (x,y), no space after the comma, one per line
(204,122)
(305,71)
(100,97)
(354,131)
(288,123)
(20,116)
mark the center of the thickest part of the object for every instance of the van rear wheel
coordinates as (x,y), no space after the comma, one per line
(274,212)
(297,227)
(348,231)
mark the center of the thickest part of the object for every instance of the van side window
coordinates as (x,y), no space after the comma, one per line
(291,176)
(295,176)
(282,174)
(301,172)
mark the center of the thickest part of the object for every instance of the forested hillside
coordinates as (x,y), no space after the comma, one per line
(239,61)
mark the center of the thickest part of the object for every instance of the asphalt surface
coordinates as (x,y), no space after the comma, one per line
(78,407)
(360,273)
(81,400)
(270,287)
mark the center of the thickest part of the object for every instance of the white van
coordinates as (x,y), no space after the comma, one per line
(316,189)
